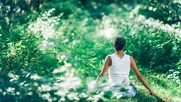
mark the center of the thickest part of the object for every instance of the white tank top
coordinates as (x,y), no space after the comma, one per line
(119,71)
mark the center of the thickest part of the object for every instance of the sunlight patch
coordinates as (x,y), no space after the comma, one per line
(10,89)
(44,27)
(108,33)
(157,24)
(46,44)
(106,28)
(35,77)
(60,69)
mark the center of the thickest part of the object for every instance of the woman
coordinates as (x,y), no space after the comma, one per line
(118,66)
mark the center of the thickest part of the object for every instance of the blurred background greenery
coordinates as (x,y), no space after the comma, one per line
(51,50)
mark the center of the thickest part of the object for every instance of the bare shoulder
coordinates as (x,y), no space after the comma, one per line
(109,60)
(108,57)
(132,61)
(131,58)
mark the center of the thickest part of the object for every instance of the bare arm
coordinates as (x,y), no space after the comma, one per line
(140,76)
(105,68)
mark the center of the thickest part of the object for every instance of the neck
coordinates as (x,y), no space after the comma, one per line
(120,52)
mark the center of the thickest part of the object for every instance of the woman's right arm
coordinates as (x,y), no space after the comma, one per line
(105,68)
(140,76)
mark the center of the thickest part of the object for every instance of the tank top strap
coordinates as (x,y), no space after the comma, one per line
(127,59)
(113,57)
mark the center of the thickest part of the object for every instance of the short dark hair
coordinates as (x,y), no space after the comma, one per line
(119,43)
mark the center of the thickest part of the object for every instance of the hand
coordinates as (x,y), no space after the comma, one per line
(152,93)
(157,97)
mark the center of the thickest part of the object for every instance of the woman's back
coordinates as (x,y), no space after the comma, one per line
(119,71)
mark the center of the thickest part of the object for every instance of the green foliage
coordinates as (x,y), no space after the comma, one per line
(167,11)
(156,48)
(16,10)
(61,6)
(108,94)
(57,55)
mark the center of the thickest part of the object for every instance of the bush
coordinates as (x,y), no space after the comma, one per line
(41,58)
(153,44)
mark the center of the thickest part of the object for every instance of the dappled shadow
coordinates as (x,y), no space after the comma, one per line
(145,97)
(142,96)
